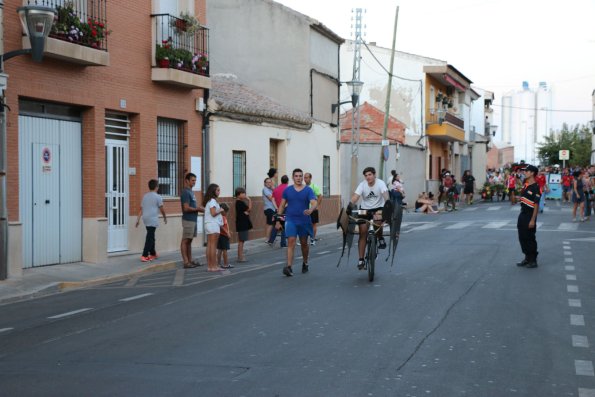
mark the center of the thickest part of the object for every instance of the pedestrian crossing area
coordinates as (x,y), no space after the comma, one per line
(408,227)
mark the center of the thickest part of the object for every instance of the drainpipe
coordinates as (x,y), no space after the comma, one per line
(3,163)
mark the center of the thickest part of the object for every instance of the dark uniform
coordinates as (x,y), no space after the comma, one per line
(530,196)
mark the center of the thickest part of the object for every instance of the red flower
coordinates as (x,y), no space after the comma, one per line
(94,33)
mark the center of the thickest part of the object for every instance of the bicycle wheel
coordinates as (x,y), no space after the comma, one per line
(372,247)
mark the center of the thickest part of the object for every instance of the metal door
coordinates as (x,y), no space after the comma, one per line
(116,196)
(46,204)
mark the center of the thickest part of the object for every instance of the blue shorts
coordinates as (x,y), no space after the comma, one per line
(298,229)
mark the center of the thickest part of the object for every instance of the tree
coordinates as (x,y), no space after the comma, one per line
(577,140)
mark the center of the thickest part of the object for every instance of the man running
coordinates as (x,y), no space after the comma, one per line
(374,193)
(300,202)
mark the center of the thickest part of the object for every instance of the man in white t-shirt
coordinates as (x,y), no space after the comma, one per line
(373,193)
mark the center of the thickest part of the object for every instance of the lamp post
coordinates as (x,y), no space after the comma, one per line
(355,88)
(37,22)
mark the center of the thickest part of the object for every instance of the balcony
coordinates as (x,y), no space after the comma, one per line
(450,128)
(79,33)
(180,55)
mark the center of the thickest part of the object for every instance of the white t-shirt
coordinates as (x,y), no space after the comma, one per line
(218,219)
(372,196)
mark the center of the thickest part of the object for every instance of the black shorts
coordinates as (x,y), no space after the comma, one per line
(314,216)
(268,213)
(223,242)
(370,213)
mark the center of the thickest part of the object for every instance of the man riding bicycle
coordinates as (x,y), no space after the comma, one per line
(374,193)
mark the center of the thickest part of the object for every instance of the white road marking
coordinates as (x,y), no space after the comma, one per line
(323,252)
(538,225)
(575,303)
(571,277)
(514,208)
(584,367)
(566,247)
(567,253)
(278,263)
(495,225)
(179,277)
(460,225)
(494,208)
(70,313)
(470,209)
(586,392)
(577,319)
(569,268)
(565,242)
(568,226)
(572,288)
(580,341)
(429,225)
(131,298)
(569,260)
(5,329)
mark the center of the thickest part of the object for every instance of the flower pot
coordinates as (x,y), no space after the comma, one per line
(181,25)
(164,63)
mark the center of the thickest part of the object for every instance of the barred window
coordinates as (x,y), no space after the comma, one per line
(326,176)
(239,169)
(169,144)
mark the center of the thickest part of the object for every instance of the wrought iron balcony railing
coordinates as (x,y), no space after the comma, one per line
(180,44)
(80,22)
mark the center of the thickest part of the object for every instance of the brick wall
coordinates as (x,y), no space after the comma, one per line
(96,89)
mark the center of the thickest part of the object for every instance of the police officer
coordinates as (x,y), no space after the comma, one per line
(530,196)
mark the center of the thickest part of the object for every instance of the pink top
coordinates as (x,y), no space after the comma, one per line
(278,193)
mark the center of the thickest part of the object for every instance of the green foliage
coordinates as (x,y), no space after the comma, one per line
(576,139)
(68,26)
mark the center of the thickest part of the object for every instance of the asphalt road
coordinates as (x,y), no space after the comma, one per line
(453,317)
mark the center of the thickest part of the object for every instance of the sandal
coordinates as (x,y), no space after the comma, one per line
(227,267)
(195,262)
(190,265)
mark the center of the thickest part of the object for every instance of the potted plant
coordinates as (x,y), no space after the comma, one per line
(200,63)
(182,59)
(164,53)
(185,23)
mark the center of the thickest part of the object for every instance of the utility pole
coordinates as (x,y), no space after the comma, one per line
(355,120)
(388,93)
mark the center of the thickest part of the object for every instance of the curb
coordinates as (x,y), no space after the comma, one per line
(68,285)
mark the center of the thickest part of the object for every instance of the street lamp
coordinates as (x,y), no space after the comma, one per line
(37,22)
(355,88)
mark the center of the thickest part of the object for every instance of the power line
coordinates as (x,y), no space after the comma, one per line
(544,109)
(382,66)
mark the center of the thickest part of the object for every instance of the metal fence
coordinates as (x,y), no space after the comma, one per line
(80,22)
(181,44)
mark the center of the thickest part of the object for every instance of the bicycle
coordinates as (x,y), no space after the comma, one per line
(449,200)
(372,238)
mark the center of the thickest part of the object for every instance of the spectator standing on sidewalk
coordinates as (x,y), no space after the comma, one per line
(543,188)
(526,223)
(315,217)
(298,203)
(243,222)
(587,193)
(578,196)
(213,223)
(278,196)
(223,242)
(397,189)
(511,185)
(469,185)
(190,210)
(150,207)
(269,208)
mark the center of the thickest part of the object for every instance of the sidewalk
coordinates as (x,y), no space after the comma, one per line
(48,280)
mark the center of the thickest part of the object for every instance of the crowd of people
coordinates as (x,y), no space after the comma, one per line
(292,211)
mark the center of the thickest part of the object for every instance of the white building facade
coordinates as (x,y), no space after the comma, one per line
(527,120)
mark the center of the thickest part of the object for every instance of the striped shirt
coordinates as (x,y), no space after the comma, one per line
(530,196)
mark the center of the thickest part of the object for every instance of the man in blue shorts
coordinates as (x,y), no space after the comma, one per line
(300,202)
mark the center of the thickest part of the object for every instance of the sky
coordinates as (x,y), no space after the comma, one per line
(497,44)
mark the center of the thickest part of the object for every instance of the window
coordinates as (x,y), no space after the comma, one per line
(326,176)
(239,170)
(169,139)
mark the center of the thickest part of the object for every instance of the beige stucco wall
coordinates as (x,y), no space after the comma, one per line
(297,149)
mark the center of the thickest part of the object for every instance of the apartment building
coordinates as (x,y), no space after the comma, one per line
(115,102)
